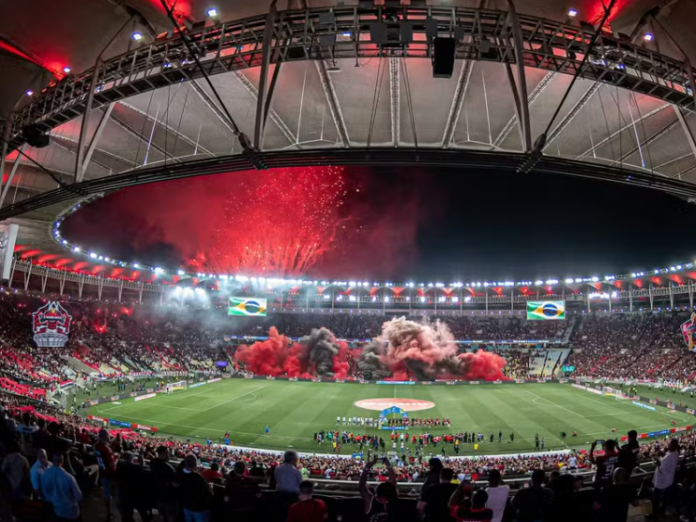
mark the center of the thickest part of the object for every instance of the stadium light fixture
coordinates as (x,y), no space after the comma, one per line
(76,249)
(137,36)
(93,255)
(572,13)
(648,37)
(212,12)
(67,69)
(29,92)
(136,265)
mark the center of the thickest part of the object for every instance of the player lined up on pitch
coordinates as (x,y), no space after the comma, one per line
(407,441)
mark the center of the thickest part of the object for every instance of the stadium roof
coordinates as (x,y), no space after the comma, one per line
(346,83)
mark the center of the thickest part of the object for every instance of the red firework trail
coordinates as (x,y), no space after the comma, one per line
(281,225)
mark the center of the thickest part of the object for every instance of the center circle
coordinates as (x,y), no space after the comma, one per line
(404,404)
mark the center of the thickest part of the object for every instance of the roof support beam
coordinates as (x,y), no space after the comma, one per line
(685,127)
(6,189)
(457,103)
(395,99)
(167,127)
(272,114)
(58,141)
(650,140)
(80,159)
(212,105)
(567,120)
(618,132)
(520,91)
(332,99)
(145,139)
(538,90)
(93,143)
(264,91)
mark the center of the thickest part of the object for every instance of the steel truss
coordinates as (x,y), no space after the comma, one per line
(376,156)
(305,34)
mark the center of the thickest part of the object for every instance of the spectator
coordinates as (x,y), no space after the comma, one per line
(38,469)
(242,491)
(435,501)
(379,503)
(308,509)
(131,488)
(60,489)
(196,493)
(257,471)
(664,477)
(287,476)
(606,463)
(434,468)
(475,511)
(497,495)
(628,454)
(616,497)
(163,477)
(107,467)
(532,504)
(212,475)
(15,467)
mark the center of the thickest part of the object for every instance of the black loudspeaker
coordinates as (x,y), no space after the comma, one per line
(36,136)
(443,57)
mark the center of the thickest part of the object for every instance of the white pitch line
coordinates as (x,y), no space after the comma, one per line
(234,399)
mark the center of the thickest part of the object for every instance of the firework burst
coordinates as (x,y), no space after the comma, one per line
(279,225)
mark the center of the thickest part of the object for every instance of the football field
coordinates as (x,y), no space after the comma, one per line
(294,411)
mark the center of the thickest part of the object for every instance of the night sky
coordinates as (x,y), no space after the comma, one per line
(424,225)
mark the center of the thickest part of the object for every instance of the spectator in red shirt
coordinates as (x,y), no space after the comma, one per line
(107,467)
(242,491)
(212,474)
(308,509)
(475,512)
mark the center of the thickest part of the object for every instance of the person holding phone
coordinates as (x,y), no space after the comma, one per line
(605,463)
(379,502)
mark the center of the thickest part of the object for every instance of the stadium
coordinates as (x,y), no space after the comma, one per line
(347,260)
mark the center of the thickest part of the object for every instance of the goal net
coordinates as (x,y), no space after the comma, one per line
(617,393)
(179,385)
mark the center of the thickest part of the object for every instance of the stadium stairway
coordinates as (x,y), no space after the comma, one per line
(79,366)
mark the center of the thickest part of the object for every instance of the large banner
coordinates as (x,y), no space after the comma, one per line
(51,325)
(688,330)
(248,306)
(8,237)
(545,310)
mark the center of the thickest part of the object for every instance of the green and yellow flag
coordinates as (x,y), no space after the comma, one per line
(247,306)
(545,310)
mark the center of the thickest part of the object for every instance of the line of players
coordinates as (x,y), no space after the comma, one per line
(415,421)
(400,441)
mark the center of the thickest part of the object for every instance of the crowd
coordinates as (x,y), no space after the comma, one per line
(112,340)
(54,460)
(645,346)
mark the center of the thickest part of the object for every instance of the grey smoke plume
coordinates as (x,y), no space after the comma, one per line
(319,350)
(371,361)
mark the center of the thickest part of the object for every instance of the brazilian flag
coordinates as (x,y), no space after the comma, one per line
(545,310)
(250,306)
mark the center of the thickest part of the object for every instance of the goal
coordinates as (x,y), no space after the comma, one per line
(179,385)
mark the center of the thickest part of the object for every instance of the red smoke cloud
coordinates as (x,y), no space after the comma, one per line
(278,356)
(412,351)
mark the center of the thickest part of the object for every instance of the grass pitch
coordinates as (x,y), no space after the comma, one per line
(294,411)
